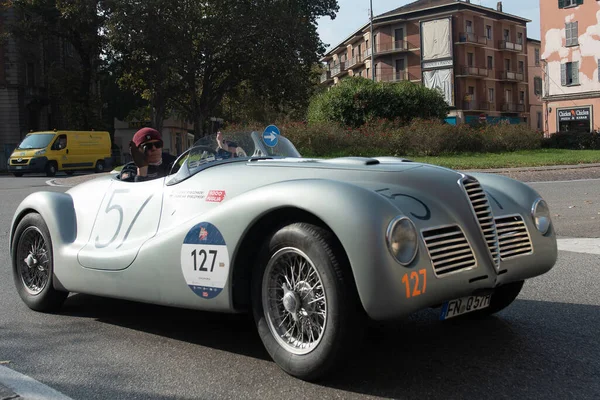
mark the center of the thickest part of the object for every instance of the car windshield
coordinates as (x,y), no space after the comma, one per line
(36,141)
(237,146)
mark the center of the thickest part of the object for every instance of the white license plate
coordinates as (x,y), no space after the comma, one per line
(464,305)
(19,167)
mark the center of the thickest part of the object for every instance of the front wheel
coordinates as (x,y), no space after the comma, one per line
(99,166)
(305,302)
(33,265)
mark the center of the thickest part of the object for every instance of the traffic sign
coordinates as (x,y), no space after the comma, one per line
(271,135)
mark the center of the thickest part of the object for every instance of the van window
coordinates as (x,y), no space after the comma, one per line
(60,143)
(39,141)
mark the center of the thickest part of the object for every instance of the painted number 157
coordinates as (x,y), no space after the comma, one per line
(413,284)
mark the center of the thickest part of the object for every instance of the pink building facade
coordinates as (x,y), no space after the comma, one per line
(570,33)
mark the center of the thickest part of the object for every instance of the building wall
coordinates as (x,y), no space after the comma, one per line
(585,91)
(535,100)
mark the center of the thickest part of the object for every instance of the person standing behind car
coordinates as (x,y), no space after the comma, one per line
(146,150)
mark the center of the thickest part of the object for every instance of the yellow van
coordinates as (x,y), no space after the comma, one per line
(69,151)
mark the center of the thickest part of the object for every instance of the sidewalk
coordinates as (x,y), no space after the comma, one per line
(542,168)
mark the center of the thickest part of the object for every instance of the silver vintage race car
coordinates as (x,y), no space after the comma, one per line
(312,247)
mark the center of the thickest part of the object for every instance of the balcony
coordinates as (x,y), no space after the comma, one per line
(395,76)
(325,76)
(473,105)
(396,46)
(512,76)
(355,61)
(338,69)
(474,72)
(471,38)
(513,107)
(510,46)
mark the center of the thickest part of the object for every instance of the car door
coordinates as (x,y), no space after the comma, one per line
(128,216)
(59,152)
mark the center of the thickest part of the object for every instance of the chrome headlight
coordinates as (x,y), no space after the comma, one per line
(402,240)
(541,215)
(40,152)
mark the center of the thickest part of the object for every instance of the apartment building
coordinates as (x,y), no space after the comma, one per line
(535,84)
(477,57)
(571,55)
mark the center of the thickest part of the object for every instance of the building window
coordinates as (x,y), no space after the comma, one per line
(537,86)
(521,97)
(569,73)
(490,62)
(539,120)
(521,67)
(571,33)
(470,59)
(537,57)
(507,64)
(488,32)
(491,95)
(569,3)
(469,26)
(520,38)
(506,35)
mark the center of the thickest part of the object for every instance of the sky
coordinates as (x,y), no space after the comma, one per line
(353,14)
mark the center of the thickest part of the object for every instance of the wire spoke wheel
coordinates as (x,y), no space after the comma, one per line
(33,261)
(294,301)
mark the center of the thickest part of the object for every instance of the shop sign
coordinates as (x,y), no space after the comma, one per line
(574,114)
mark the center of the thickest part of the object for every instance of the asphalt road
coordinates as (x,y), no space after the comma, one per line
(545,345)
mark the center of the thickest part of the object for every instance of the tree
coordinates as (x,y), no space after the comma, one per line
(196,52)
(77,22)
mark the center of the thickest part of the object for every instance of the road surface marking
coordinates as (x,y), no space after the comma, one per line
(27,387)
(580,245)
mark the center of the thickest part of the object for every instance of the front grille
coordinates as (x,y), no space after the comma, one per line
(485,217)
(15,161)
(448,249)
(513,237)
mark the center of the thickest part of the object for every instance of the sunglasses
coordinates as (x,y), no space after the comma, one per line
(150,146)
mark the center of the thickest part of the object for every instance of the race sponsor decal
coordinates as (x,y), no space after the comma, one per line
(205,260)
(215,196)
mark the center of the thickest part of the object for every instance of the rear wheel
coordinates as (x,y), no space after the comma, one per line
(99,166)
(33,265)
(304,301)
(51,169)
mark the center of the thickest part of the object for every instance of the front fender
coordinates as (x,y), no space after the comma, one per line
(57,211)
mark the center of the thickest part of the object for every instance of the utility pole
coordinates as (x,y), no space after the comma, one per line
(372,46)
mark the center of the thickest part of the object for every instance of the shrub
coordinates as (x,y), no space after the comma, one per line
(573,141)
(356,101)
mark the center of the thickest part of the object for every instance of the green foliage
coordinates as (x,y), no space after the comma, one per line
(356,101)
(573,140)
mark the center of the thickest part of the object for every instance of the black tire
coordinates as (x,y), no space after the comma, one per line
(51,169)
(502,297)
(18,174)
(42,297)
(99,166)
(344,314)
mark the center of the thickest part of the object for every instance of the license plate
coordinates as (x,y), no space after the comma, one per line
(464,305)
(19,167)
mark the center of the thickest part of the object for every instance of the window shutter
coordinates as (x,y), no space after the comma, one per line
(563,74)
(599,70)
(575,72)
(579,1)
(561,3)
(568,34)
(575,32)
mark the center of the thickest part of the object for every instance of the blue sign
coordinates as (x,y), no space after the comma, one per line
(271,135)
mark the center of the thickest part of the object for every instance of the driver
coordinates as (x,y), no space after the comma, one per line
(146,150)
(228,148)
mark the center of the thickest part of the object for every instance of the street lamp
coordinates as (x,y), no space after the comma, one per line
(372,46)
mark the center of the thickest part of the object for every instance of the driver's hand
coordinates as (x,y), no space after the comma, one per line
(139,158)
(219,137)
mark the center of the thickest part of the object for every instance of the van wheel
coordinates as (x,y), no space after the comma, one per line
(99,166)
(51,169)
